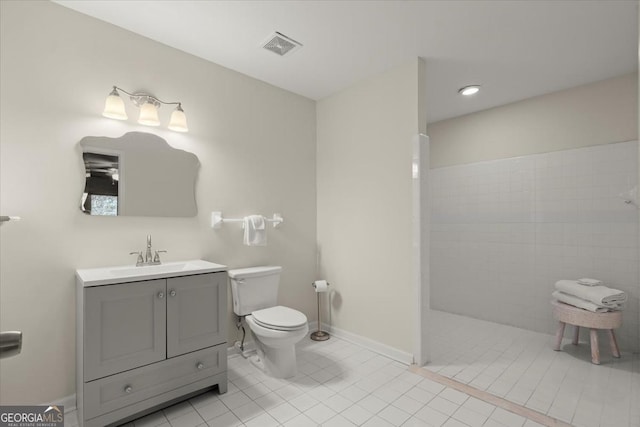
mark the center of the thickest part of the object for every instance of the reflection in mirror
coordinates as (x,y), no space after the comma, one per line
(100,195)
(138,174)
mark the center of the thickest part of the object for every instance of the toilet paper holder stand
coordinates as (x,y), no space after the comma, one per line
(319,335)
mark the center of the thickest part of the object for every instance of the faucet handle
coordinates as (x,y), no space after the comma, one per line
(156,257)
(140,260)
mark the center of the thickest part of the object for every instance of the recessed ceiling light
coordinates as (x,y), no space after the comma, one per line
(469,90)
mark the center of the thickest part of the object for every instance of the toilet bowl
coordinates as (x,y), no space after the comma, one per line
(276,329)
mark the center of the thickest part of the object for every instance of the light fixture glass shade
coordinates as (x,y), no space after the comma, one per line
(114,107)
(148,115)
(178,121)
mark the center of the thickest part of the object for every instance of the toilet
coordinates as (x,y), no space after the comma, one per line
(276,329)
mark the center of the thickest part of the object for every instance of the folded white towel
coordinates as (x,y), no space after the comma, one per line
(590,282)
(255,232)
(600,295)
(579,302)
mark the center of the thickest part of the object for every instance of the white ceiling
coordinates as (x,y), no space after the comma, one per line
(514,49)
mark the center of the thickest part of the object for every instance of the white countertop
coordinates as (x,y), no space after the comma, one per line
(130,273)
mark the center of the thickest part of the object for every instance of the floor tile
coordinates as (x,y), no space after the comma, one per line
(376,421)
(269,401)
(301,421)
(235,400)
(177,410)
(430,386)
(284,412)
(247,411)
(152,420)
(469,417)
(338,421)
(263,420)
(212,410)
(372,404)
(338,403)
(357,414)
(363,388)
(416,422)
(189,419)
(443,405)
(453,396)
(479,406)
(204,399)
(303,402)
(320,413)
(431,416)
(452,422)
(520,366)
(507,418)
(394,415)
(407,404)
(354,393)
(227,419)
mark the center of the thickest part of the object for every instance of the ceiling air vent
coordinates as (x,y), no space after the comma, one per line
(281,44)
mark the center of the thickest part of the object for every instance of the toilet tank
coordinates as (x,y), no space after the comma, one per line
(254,288)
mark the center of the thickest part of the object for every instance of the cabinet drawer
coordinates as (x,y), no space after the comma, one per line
(117,391)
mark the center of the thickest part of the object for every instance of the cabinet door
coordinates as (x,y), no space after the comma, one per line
(196,312)
(125,327)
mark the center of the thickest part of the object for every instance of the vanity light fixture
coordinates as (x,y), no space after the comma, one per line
(469,90)
(148,104)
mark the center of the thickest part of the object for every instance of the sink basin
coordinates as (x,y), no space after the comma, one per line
(128,273)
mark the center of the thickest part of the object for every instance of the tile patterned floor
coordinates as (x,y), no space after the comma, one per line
(343,384)
(520,366)
(338,384)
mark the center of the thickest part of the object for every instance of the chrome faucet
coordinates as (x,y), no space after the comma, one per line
(147,256)
(148,259)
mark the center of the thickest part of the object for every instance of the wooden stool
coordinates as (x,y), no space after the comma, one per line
(577,317)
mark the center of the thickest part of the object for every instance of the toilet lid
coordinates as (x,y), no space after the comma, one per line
(279,317)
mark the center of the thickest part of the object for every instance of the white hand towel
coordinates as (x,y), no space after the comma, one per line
(600,295)
(579,302)
(590,282)
(255,232)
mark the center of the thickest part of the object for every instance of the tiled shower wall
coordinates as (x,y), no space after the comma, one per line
(504,231)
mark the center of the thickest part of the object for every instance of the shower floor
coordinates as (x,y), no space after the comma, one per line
(520,366)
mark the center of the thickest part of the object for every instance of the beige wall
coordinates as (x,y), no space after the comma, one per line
(364,136)
(597,113)
(57,68)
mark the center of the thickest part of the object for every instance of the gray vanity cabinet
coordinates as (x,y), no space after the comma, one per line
(146,344)
(128,327)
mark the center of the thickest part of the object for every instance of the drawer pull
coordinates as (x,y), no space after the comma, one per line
(161,295)
(128,389)
(172,293)
(200,365)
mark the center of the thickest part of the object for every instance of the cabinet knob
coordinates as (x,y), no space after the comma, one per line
(200,365)
(128,389)
(160,294)
(172,293)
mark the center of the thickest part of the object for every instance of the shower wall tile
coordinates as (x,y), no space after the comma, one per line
(504,231)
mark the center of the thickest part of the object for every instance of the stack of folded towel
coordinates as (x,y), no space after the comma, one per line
(589,294)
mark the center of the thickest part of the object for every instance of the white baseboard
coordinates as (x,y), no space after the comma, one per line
(369,344)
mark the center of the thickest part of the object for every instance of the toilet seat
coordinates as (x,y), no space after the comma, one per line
(280,318)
